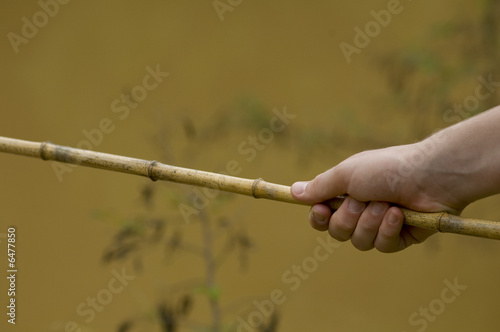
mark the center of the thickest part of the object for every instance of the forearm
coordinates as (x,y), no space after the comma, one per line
(466,157)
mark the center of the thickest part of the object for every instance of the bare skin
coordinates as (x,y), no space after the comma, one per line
(445,172)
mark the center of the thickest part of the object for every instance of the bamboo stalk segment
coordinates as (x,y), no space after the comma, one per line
(444,222)
(258,188)
(469,226)
(20,147)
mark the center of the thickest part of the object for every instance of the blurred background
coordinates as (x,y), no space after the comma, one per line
(190,84)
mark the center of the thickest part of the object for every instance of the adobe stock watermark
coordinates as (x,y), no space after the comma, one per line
(421,318)
(88,309)
(223,6)
(121,107)
(292,278)
(409,164)
(372,29)
(484,90)
(30,28)
(248,148)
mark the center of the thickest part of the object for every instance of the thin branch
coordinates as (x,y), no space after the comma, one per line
(210,271)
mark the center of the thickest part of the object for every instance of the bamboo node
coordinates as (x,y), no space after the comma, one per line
(440,220)
(43,152)
(255,186)
(152,164)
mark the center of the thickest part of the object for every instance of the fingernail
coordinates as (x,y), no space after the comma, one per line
(317,218)
(355,206)
(391,219)
(298,188)
(377,208)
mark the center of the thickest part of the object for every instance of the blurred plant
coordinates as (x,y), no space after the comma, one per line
(222,236)
(426,81)
(184,142)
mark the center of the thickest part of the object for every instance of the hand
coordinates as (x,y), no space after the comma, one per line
(375,182)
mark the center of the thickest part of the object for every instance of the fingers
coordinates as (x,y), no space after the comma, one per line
(389,237)
(359,222)
(367,225)
(394,236)
(363,237)
(345,220)
(323,187)
(319,217)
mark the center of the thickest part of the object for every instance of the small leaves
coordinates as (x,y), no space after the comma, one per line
(244,241)
(245,244)
(174,243)
(132,238)
(185,305)
(157,228)
(211,291)
(118,252)
(126,241)
(147,194)
(171,315)
(271,325)
(189,128)
(125,326)
(168,318)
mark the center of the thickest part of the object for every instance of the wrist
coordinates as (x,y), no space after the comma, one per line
(463,164)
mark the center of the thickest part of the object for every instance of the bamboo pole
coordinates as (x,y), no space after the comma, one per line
(258,188)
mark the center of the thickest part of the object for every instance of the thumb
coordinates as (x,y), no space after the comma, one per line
(323,187)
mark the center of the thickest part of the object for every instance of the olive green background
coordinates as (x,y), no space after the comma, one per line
(275,54)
